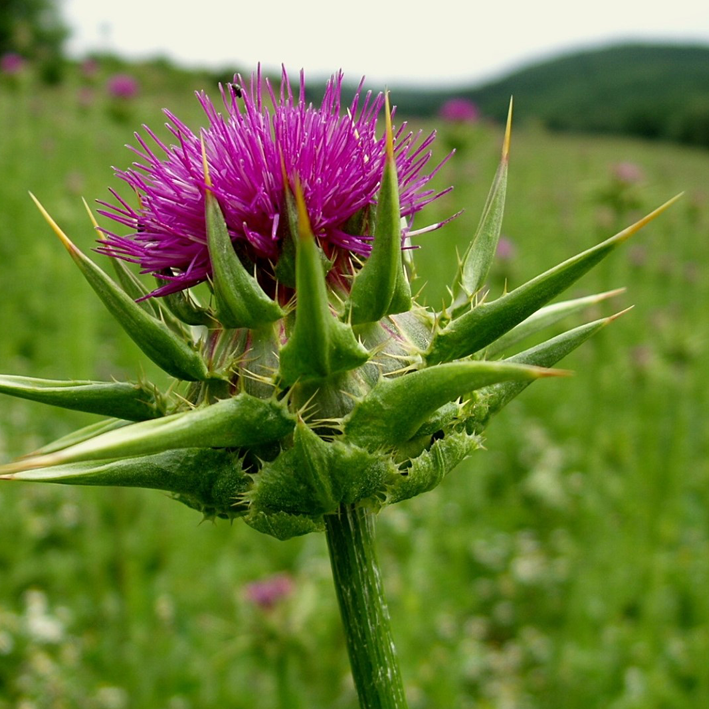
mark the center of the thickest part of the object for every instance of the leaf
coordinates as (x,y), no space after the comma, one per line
(543,318)
(480,254)
(242,421)
(546,354)
(380,287)
(319,344)
(428,469)
(395,409)
(212,481)
(170,352)
(471,332)
(240,300)
(315,477)
(135,402)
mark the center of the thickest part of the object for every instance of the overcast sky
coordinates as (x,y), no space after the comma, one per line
(432,42)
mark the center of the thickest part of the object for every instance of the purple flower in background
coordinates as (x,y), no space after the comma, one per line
(506,249)
(267,592)
(90,68)
(628,173)
(122,86)
(11,64)
(259,136)
(459,110)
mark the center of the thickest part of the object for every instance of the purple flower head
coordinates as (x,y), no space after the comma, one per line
(122,86)
(269,591)
(260,136)
(11,64)
(459,110)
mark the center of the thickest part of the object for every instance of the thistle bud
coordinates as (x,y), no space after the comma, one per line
(310,379)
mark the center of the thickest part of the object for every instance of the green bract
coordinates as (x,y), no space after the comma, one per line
(350,393)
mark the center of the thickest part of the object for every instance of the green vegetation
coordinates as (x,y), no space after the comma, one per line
(34,30)
(566,566)
(649,91)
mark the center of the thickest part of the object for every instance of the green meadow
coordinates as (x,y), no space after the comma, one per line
(566,566)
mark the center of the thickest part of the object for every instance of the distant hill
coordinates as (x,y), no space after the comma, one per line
(646,90)
(652,91)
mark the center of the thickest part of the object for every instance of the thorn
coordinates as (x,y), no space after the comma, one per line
(633,228)
(389,130)
(302,411)
(305,231)
(609,294)
(101,235)
(547,372)
(55,227)
(207,177)
(508,133)
(614,317)
(400,371)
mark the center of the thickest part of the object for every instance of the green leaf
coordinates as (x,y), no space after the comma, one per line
(315,477)
(480,254)
(135,402)
(82,434)
(283,525)
(395,409)
(319,344)
(544,318)
(546,354)
(170,352)
(136,289)
(186,309)
(471,332)
(242,421)
(380,287)
(428,469)
(212,481)
(240,300)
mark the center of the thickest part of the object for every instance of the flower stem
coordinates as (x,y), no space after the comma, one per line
(375,667)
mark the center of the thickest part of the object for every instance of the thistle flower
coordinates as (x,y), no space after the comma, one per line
(459,110)
(311,390)
(628,173)
(266,593)
(11,64)
(122,86)
(315,379)
(253,153)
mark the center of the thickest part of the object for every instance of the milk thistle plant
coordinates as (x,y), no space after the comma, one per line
(310,389)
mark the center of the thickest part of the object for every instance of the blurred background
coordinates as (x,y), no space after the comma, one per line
(566,565)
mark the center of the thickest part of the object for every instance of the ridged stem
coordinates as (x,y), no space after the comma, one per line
(375,667)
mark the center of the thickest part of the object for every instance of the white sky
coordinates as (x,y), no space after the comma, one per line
(395,42)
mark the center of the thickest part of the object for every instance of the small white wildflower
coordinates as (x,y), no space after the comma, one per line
(40,625)
(112,698)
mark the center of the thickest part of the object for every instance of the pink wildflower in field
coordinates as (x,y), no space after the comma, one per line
(122,86)
(257,146)
(11,64)
(460,110)
(267,592)
(89,68)
(506,249)
(628,173)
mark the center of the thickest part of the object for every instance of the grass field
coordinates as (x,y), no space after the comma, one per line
(567,566)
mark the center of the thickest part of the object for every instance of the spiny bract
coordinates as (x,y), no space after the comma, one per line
(311,379)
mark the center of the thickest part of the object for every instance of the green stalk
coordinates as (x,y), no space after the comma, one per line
(375,667)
